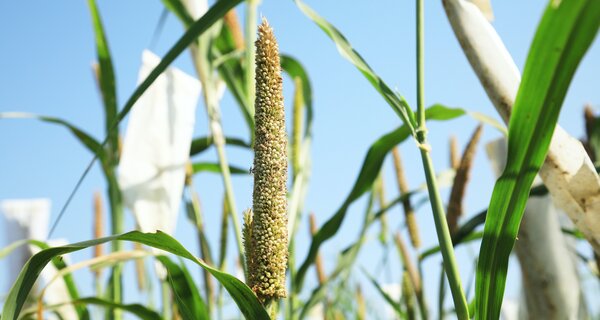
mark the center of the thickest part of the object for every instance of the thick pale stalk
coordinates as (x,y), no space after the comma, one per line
(568,171)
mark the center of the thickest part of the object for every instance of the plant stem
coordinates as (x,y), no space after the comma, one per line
(420,66)
(204,247)
(204,70)
(437,207)
(166,299)
(441,227)
(116,212)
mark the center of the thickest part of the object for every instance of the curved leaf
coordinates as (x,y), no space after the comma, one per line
(241,294)
(395,100)
(201,144)
(186,294)
(395,305)
(138,310)
(106,76)
(301,147)
(564,34)
(368,172)
(295,70)
(216,12)
(59,264)
(216,168)
(88,141)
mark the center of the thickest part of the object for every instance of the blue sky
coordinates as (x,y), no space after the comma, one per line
(48,47)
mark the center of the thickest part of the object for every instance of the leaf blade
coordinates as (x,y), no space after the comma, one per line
(241,294)
(565,32)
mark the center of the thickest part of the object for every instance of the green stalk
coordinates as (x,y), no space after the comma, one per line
(205,254)
(437,207)
(204,70)
(116,213)
(166,299)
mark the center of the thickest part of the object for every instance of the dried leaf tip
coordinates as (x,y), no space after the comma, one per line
(269,239)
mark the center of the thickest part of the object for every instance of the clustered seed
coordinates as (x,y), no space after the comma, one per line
(268,248)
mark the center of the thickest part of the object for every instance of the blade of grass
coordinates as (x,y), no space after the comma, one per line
(106,79)
(301,159)
(185,293)
(369,170)
(138,310)
(216,168)
(59,264)
(106,82)
(564,34)
(201,144)
(295,69)
(241,294)
(395,100)
(88,141)
(567,166)
(200,26)
(395,305)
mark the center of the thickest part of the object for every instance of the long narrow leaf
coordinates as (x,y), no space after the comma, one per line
(565,33)
(295,69)
(567,166)
(106,76)
(214,167)
(203,24)
(201,144)
(88,141)
(397,102)
(370,168)
(59,264)
(138,310)
(185,293)
(241,294)
(395,305)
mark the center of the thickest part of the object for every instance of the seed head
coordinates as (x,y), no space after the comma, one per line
(269,238)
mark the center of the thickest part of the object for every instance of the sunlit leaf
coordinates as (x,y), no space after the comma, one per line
(564,34)
(241,294)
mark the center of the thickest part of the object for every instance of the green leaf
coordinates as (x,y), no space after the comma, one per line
(216,12)
(395,100)
(230,70)
(295,70)
(106,77)
(395,305)
(199,145)
(138,310)
(178,8)
(564,34)
(368,173)
(241,294)
(59,264)
(216,168)
(186,294)
(88,141)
